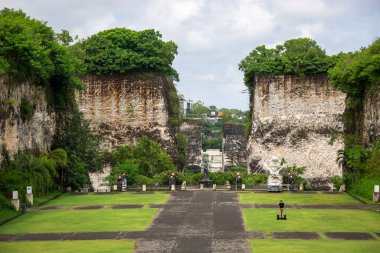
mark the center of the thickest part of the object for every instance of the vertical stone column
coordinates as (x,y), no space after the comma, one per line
(15,200)
(29,194)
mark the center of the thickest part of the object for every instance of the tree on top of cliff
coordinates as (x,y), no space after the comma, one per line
(296,56)
(29,49)
(121,50)
(355,71)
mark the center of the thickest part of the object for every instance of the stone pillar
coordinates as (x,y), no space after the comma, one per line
(376,194)
(15,200)
(144,188)
(301,187)
(201,186)
(115,187)
(29,194)
(173,187)
(243,187)
(183,186)
(228,185)
(29,198)
(214,187)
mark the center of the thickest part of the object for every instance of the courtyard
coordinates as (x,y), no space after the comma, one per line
(195,221)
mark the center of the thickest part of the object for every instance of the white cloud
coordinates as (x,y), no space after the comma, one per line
(311,30)
(94,25)
(207,77)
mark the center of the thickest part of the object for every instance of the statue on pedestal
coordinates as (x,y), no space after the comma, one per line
(274,166)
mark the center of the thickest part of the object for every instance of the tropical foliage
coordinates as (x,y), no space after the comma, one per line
(296,56)
(121,50)
(30,50)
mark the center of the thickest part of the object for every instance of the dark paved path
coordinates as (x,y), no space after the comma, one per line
(197,221)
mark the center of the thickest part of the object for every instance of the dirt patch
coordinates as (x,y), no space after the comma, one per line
(296,235)
(50,208)
(87,207)
(266,206)
(93,236)
(79,193)
(157,206)
(146,192)
(349,236)
(256,235)
(105,193)
(126,206)
(43,237)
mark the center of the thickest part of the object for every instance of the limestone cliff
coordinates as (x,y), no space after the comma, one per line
(371,119)
(298,119)
(192,129)
(234,145)
(35,132)
(122,108)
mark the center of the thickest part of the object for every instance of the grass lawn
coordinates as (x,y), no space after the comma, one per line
(81,221)
(311,246)
(296,198)
(40,199)
(257,219)
(6,213)
(109,199)
(92,246)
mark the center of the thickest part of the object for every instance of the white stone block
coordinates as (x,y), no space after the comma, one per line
(15,195)
(144,188)
(376,189)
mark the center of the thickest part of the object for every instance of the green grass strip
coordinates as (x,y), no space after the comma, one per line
(88,246)
(81,221)
(297,198)
(299,220)
(310,246)
(109,199)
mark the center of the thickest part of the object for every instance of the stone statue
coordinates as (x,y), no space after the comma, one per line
(274,167)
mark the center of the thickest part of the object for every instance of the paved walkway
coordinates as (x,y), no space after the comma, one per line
(197,221)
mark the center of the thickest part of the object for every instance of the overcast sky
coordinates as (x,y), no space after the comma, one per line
(214,35)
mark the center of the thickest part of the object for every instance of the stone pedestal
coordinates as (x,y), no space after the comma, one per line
(29,198)
(144,188)
(201,186)
(183,186)
(376,193)
(243,187)
(115,187)
(214,187)
(301,187)
(173,187)
(376,197)
(16,204)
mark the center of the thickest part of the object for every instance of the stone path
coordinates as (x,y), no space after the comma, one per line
(351,207)
(197,221)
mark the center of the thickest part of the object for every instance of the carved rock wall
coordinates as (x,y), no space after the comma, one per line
(17,134)
(371,119)
(192,129)
(235,145)
(122,108)
(298,119)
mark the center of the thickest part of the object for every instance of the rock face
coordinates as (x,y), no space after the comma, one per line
(35,132)
(298,119)
(122,108)
(193,131)
(371,119)
(235,145)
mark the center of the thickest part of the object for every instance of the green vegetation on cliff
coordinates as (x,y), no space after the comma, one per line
(357,73)
(300,56)
(121,50)
(30,50)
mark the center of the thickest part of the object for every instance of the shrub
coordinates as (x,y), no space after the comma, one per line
(337,181)
(26,109)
